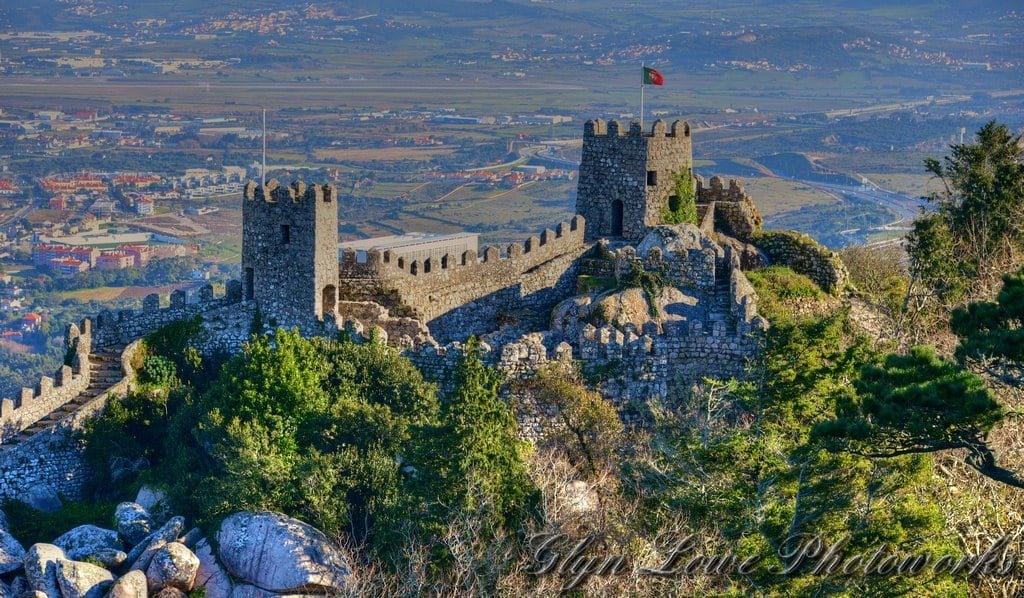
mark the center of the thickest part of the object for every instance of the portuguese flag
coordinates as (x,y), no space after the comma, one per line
(652,77)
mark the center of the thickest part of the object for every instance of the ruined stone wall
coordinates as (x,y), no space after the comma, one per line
(290,250)
(614,192)
(123,326)
(467,294)
(732,210)
(805,256)
(54,457)
(50,393)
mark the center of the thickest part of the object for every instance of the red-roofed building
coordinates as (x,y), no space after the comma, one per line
(12,335)
(8,188)
(67,266)
(58,203)
(64,184)
(115,260)
(141,253)
(43,255)
(31,321)
(137,181)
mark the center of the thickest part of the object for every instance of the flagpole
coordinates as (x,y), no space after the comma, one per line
(642,74)
(263,169)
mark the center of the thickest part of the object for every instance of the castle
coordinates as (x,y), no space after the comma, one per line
(527,300)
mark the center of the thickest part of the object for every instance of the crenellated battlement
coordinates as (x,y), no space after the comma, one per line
(123,326)
(613,128)
(69,381)
(296,193)
(567,236)
(727,208)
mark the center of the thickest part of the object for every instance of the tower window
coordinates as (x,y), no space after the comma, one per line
(286,234)
(652,178)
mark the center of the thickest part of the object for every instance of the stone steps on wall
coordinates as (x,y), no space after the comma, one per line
(104,371)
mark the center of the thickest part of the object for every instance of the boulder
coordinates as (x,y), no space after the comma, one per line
(173,566)
(12,553)
(109,558)
(42,498)
(169,593)
(133,522)
(210,574)
(3,521)
(278,553)
(84,541)
(5,592)
(247,591)
(154,501)
(190,539)
(82,580)
(131,585)
(41,568)
(18,586)
(141,554)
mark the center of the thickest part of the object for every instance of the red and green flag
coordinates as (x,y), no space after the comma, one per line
(653,77)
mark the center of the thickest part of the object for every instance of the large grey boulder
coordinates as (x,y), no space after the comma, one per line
(133,522)
(12,553)
(173,566)
(41,568)
(82,580)
(5,592)
(141,554)
(131,585)
(154,501)
(248,591)
(109,558)
(42,498)
(280,554)
(85,541)
(210,574)
(169,593)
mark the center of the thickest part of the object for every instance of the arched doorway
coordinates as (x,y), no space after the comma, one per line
(617,209)
(329,303)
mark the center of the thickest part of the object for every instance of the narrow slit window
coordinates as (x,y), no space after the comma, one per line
(286,234)
(652,178)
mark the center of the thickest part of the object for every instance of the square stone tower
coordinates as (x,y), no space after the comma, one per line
(290,251)
(626,180)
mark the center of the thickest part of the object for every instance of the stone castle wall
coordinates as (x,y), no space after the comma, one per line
(467,294)
(50,393)
(54,457)
(290,250)
(727,208)
(615,167)
(805,256)
(123,326)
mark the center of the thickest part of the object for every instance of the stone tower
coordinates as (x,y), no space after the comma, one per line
(290,251)
(626,180)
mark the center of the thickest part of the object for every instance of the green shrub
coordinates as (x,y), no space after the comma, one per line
(778,285)
(157,370)
(681,207)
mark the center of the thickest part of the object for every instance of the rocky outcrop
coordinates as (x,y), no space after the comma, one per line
(142,554)
(85,541)
(41,568)
(82,580)
(173,566)
(130,585)
(210,574)
(134,522)
(12,553)
(301,556)
(42,498)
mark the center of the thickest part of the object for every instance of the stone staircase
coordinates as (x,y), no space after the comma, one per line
(719,308)
(105,371)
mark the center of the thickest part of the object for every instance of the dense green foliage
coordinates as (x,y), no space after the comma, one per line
(994,329)
(977,228)
(681,207)
(347,436)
